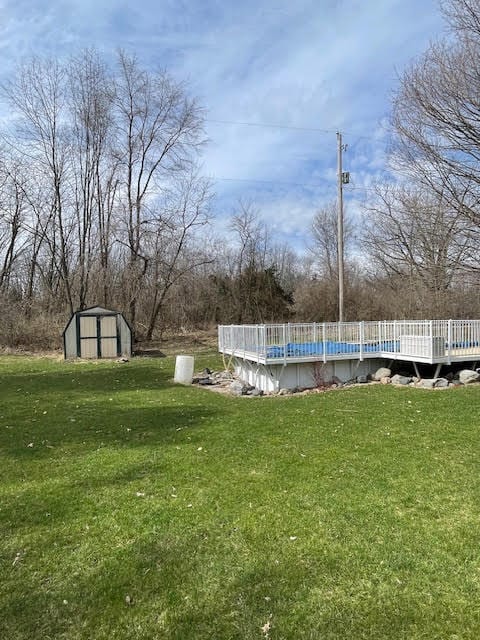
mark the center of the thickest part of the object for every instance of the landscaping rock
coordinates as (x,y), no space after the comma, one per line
(236,388)
(256,392)
(362,379)
(283,392)
(221,376)
(386,380)
(403,380)
(427,383)
(205,381)
(467,376)
(441,383)
(383,372)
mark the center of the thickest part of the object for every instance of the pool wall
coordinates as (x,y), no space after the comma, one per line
(274,377)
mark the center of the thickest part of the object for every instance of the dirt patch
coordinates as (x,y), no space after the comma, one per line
(176,344)
(30,353)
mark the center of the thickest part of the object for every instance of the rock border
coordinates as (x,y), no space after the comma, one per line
(229,383)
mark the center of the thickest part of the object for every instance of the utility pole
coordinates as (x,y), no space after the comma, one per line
(343,178)
(340,256)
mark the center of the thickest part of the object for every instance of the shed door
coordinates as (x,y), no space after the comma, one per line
(88,337)
(98,337)
(108,337)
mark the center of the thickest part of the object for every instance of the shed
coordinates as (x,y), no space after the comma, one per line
(97,333)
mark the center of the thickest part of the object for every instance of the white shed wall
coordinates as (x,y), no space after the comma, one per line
(125,338)
(70,339)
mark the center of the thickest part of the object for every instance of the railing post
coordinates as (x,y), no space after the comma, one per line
(324,338)
(449,341)
(362,338)
(430,328)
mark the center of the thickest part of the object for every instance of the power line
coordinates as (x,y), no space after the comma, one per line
(362,189)
(307,185)
(281,182)
(270,125)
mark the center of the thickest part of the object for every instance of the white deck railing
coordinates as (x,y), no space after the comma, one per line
(423,340)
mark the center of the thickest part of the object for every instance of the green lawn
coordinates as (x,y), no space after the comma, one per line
(133,508)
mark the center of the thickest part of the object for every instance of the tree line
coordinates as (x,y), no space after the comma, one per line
(102,201)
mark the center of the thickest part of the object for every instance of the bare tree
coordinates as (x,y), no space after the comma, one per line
(172,255)
(323,247)
(39,99)
(158,133)
(91,100)
(13,241)
(250,236)
(417,238)
(254,289)
(436,116)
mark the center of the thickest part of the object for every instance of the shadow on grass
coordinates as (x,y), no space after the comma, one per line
(58,378)
(60,437)
(54,409)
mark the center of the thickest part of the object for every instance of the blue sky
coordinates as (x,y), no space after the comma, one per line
(314,66)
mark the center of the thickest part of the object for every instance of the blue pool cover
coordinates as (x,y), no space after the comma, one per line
(332,348)
(305,349)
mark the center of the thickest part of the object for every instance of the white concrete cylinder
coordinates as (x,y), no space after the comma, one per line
(184,369)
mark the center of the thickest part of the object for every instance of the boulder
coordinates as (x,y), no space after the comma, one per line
(386,380)
(427,383)
(403,380)
(221,376)
(256,392)
(468,375)
(441,383)
(236,388)
(383,372)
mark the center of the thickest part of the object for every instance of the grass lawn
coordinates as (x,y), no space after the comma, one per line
(133,508)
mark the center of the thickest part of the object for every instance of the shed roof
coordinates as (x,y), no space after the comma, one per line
(98,311)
